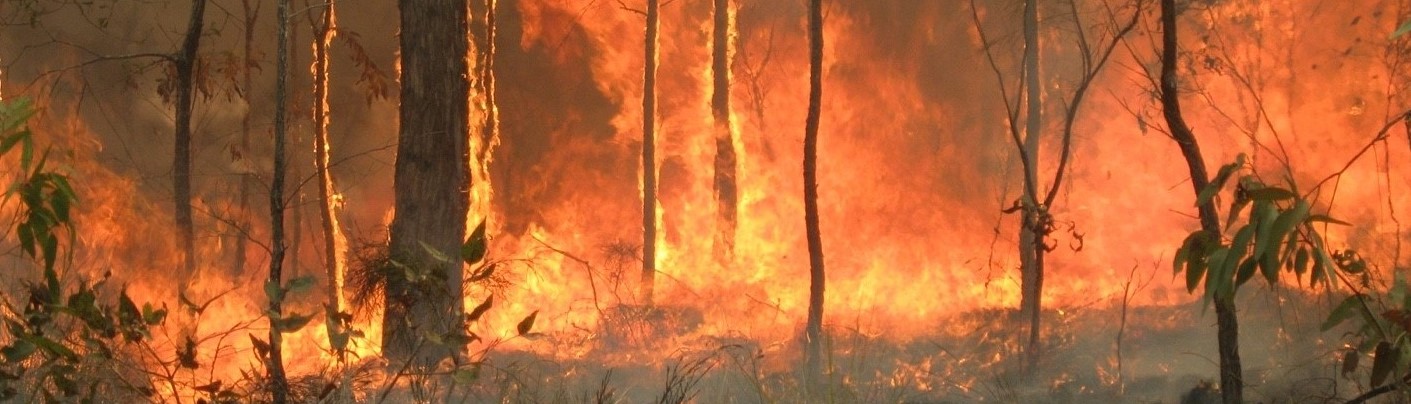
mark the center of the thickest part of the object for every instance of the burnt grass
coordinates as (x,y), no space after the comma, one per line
(1167,356)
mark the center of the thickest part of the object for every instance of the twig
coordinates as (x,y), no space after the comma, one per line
(586,266)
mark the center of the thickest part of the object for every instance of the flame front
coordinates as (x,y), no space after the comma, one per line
(915,168)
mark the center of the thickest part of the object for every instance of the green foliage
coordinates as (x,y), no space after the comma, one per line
(1270,230)
(52,367)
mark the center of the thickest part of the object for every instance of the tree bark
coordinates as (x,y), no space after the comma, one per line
(813,331)
(1031,248)
(334,243)
(1231,379)
(726,192)
(279,384)
(181,156)
(431,181)
(649,169)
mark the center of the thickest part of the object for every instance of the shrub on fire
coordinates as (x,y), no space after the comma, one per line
(54,345)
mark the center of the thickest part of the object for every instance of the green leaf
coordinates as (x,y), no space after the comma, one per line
(153,316)
(434,253)
(1270,194)
(1402,30)
(290,323)
(262,348)
(1246,271)
(1235,207)
(1383,361)
(1194,272)
(273,292)
(1269,265)
(1288,219)
(466,375)
(1342,312)
(19,350)
(52,347)
(300,284)
(1326,219)
(480,309)
(527,323)
(476,246)
(1264,215)
(1219,181)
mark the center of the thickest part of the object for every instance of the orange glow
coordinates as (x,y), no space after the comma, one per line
(915,167)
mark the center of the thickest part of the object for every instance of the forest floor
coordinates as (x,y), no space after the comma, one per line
(1166,354)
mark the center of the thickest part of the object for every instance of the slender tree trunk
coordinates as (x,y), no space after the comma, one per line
(813,331)
(252,11)
(181,157)
(431,181)
(279,384)
(649,166)
(334,243)
(726,193)
(1031,248)
(1231,379)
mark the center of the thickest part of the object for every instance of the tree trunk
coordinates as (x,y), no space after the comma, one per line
(649,167)
(725,161)
(1031,248)
(813,331)
(1231,379)
(431,181)
(181,157)
(279,384)
(251,14)
(334,243)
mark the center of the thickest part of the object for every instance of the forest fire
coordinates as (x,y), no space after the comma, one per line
(973,158)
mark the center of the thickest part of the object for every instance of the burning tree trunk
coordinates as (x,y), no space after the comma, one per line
(181,159)
(334,243)
(1031,241)
(430,181)
(649,174)
(1231,380)
(725,161)
(813,331)
(279,384)
(483,146)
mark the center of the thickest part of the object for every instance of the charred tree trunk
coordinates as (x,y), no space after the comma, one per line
(181,159)
(334,243)
(1231,379)
(279,384)
(431,181)
(813,331)
(1031,242)
(649,166)
(726,191)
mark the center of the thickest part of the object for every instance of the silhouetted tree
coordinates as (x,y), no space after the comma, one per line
(726,190)
(813,330)
(279,384)
(649,169)
(431,181)
(1227,323)
(181,160)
